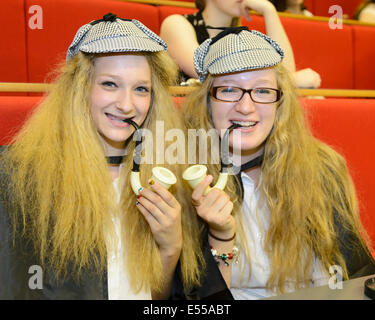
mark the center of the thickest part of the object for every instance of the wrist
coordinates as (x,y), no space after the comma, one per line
(222,234)
(171,252)
(269,10)
(222,239)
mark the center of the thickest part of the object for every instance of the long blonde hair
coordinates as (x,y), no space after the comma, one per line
(60,191)
(306,186)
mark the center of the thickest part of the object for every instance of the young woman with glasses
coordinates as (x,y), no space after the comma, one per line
(291,213)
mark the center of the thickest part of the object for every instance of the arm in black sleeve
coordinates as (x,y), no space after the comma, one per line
(213,286)
(359,261)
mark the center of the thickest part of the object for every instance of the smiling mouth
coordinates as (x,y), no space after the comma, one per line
(248,124)
(118,119)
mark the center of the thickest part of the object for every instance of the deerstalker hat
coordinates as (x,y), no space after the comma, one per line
(113,34)
(236,49)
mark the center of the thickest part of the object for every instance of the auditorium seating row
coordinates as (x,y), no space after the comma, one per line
(321,7)
(345,124)
(36,35)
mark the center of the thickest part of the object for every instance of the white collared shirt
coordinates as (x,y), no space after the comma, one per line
(118,282)
(256,220)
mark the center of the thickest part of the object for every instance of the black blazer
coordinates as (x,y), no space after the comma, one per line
(16,261)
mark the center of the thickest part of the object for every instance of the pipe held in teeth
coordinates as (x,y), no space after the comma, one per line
(195,174)
(162,175)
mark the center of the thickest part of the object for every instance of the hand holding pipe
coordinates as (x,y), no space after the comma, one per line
(195,174)
(162,175)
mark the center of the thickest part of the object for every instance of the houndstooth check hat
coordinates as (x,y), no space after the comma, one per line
(234,50)
(113,34)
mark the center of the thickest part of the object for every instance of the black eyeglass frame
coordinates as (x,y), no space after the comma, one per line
(213,93)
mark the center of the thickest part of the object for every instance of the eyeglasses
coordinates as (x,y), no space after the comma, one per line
(235,94)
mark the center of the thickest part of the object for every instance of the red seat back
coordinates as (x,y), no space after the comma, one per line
(348,126)
(13,42)
(61,19)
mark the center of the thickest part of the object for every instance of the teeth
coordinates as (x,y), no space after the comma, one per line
(245,123)
(112,117)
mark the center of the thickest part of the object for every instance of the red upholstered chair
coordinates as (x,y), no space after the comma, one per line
(14,111)
(256,23)
(165,11)
(309,4)
(348,6)
(327,51)
(364,55)
(348,126)
(61,19)
(13,42)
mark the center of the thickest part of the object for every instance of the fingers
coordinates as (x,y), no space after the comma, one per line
(150,218)
(160,193)
(223,220)
(216,199)
(159,202)
(163,214)
(216,210)
(150,211)
(245,13)
(199,190)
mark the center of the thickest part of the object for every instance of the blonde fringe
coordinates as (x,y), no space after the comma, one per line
(306,186)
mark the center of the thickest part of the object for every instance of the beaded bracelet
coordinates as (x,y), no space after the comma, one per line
(225,256)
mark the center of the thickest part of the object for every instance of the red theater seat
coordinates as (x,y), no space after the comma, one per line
(348,126)
(61,19)
(364,55)
(321,8)
(13,42)
(327,51)
(14,111)
(309,4)
(256,23)
(165,11)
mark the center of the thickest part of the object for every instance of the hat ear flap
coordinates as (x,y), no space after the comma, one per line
(150,33)
(78,38)
(273,43)
(199,55)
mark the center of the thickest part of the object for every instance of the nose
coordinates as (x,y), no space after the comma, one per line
(124,101)
(245,105)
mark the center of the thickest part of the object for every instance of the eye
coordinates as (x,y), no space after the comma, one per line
(143,89)
(109,84)
(263,91)
(227,89)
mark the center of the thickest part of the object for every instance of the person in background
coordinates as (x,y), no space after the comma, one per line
(291,212)
(183,34)
(66,202)
(366,11)
(291,6)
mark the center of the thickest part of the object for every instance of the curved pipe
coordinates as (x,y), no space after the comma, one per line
(195,174)
(162,175)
